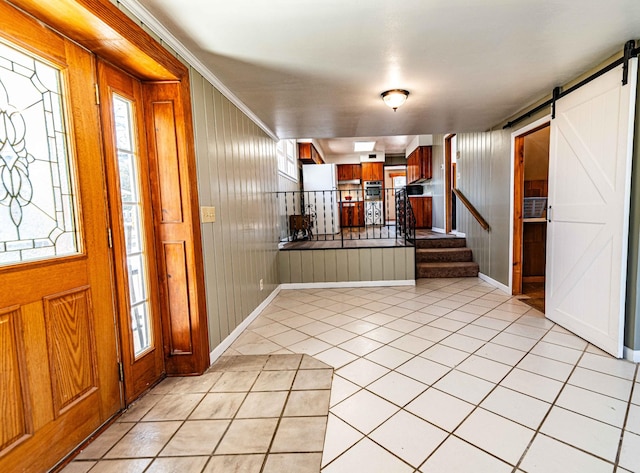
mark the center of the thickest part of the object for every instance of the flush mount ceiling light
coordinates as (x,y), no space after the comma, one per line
(394,97)
(363,146)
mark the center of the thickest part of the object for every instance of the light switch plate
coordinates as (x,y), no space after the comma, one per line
(208,214)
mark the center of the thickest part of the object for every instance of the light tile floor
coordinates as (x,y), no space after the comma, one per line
(448,376)
(453,375)
(247,414)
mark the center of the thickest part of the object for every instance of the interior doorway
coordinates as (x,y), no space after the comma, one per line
(450,182)
(531,173)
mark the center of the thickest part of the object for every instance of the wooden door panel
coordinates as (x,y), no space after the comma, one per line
(71,345)
(14,407)
(168,172)
(175,262)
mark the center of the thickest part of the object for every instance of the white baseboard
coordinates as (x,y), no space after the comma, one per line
(631,355)
(437,230)
(226,343)
(495,283)
(336,285)
(459,234)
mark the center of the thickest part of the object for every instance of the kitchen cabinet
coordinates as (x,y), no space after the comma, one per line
(356,209)
(422,210)
(419,165)
(372,171)
(308,154)
(349,172)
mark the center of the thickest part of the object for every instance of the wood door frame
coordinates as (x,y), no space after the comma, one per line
(517,194)
(448,191)
(102,28)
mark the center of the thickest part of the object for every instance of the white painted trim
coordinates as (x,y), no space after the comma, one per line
(160,30)
(437,230)
(495,283)
(459,234)
(226,343)
(514,134)
(632,355)
(344,284)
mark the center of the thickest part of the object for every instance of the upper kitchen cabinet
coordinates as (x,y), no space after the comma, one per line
(308,154)
(349,172)
(373,171)
(419,165)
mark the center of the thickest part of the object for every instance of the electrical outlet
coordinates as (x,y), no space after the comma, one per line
(208,214)
(261,284)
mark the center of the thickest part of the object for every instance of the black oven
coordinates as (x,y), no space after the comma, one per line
(372,190)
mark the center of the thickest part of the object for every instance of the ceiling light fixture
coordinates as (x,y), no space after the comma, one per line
(394,97)
(359,146)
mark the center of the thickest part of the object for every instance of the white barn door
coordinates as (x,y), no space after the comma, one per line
(589,187)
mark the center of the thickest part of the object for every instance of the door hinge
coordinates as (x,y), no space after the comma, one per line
(97,94)
(109,238)
(120,371)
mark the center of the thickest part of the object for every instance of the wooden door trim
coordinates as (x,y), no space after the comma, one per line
(448,191)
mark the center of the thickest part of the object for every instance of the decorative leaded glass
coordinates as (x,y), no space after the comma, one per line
(37,208)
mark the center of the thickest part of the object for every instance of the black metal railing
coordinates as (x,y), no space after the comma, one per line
(406,219)
(345,215)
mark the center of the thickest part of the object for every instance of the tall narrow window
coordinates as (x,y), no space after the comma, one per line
(128,171)
(37,203)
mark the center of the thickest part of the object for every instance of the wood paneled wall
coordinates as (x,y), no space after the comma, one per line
(361,264)
(485,175)
(237,174)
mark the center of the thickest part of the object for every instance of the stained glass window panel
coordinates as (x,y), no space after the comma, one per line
(37,203)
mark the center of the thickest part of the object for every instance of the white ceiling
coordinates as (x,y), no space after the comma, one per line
(316,68)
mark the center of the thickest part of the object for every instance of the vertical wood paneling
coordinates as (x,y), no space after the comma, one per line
(318,266)
(307,266)
(71,343)
(331,265)
(388,265)
(377,272)
(296,266)
(284,264)
(342,266)
(364,255)
(485,169)
(14,410)
(179,333)
(353,264)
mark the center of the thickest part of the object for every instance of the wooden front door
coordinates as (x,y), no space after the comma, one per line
(589,188)
(58,356)
(132,230)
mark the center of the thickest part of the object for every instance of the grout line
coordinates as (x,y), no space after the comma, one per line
(626,418)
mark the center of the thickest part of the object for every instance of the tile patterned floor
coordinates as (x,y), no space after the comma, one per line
(247,414)
(453,376)
(448,376)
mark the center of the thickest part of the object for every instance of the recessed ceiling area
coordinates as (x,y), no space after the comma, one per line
(316,69)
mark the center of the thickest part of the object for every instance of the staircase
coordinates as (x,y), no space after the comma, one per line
(446,257)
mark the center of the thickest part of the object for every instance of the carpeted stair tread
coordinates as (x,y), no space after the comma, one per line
(447,270)
(448,242)
(442,255)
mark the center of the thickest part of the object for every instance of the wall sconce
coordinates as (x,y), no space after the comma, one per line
(394,98)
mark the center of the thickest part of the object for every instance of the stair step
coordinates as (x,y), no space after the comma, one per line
(447,270)
(446,242)
(443,255)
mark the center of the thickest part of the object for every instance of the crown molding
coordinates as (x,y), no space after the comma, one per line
(142,14)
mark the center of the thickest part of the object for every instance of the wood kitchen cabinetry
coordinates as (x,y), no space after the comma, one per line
(308,154)
(419,164)
(349,172)
(352,214)
(422,210)
(372,171)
